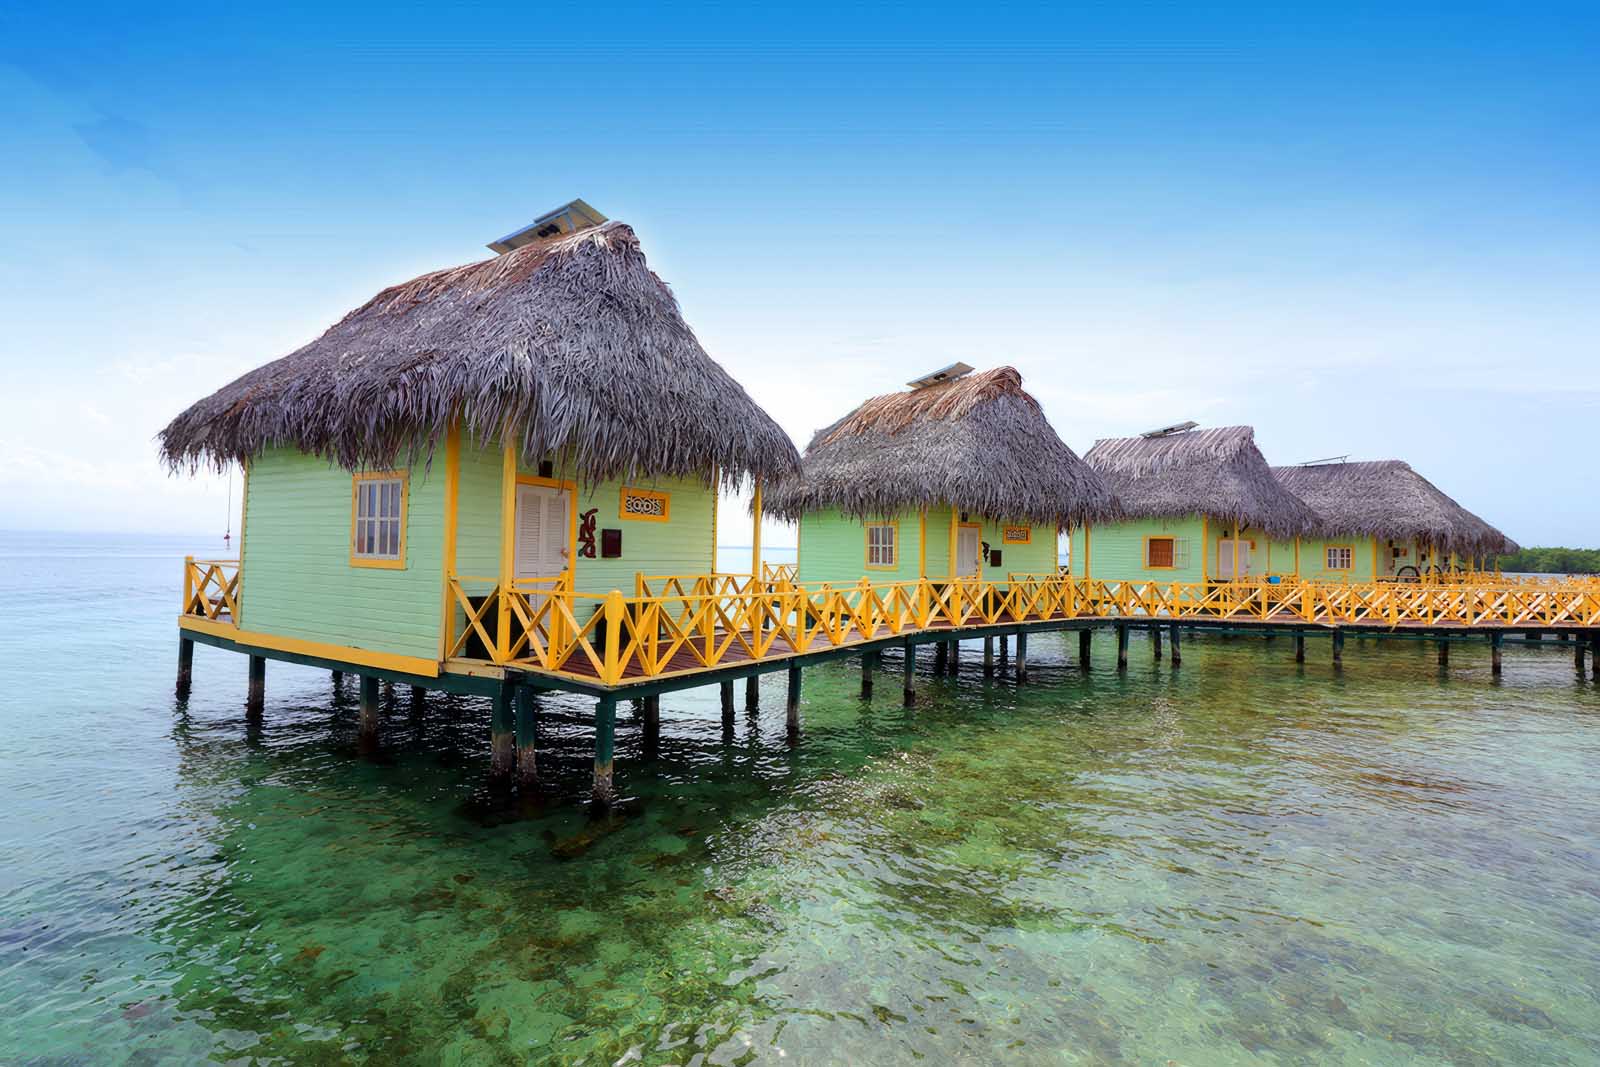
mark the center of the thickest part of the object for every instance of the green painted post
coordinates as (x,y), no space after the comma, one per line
(257,694)
(793,709)
(869,660)
(186,664)
(1177,653)
(527,737)
(503,735)
(1122,646)
(1496,663)
(605,729)
(368,736)
(910,685)
(1022,656)
(1085,640)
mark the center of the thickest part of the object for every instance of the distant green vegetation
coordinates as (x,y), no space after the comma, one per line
(1553,561)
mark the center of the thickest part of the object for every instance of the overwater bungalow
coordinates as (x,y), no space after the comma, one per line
(1200,504)
(1386,521)
(542,420)
(958,476)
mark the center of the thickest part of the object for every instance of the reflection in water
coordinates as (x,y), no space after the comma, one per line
(1241,861)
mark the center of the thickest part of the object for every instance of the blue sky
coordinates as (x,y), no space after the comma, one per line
(1365,231)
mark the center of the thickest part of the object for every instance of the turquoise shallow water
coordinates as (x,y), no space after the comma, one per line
(1240,862)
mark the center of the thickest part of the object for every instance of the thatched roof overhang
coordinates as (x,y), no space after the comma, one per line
(1217,472)
(1387,499)
(979,443)
(568,347)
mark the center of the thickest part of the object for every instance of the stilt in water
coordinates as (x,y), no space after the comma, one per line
(1495,661)
(419,695)
(1155,640)
(988,656)
(502,735)
(752,692)
(1577,657)
(1005,651)
(941,656)
(338,679)
(605,731)
(1122,646)
(869,660)
(367,736)
(1594,656)
(1338,648)
(528,737)
(1022,656)
(727,703)
(910,685)
(1085,639)
(257,694)
(186,665)
(1177,654)
(1299,646)
(793,709)
(1444,653)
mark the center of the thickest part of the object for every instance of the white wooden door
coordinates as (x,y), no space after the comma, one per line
(1225,558)
(967,551)
(543,530)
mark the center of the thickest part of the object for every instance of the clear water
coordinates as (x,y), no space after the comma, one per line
(1240,862)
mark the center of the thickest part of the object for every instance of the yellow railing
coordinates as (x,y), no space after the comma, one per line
(780,572)
(211,589)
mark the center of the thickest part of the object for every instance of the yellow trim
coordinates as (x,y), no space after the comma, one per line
(866,538)
(452,518)
(755,534)
(1347,548)
(1297,556)
(399,562)
(716,502)
(644,494)
(950,561)
(244,510)
(508,545)
(361,657)
(1086,550)
(1007,539)
(922,543)
(1160,537)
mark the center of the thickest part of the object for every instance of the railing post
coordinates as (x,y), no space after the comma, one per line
(614,610)
(188,584)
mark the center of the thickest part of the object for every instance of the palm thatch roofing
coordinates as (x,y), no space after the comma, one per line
(1217,472)
(1389,500)
(978,443)
(568,347)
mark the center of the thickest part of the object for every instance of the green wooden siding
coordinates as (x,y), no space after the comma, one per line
(1116,550)
(1314,559)
(297,577)
(833,548)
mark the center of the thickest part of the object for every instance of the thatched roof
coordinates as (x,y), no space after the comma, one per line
(1217,472)
(1387,499)
(572,342)
(979,443)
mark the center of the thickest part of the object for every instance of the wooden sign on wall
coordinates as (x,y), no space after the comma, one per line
(646,504)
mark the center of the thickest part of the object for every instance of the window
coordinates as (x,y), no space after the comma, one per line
(1340,557)
(378,520)
(1160,552)
(881,549)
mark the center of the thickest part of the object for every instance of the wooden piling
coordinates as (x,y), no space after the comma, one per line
(1177,654)
(1022,656)
(1444,653)
(988,656)
(792,710)
(1155,640)
(603,792)
(527,737)
(371,706)
(1299,646)
(1085,640)
(1122,646)
(338,679)
(1594,655)
(1577,657)
(186,665)
(1496,661)
(752,692)
(502,734)
(1005,650)
(941,656)
(419,695)
(954,663)
(1338,648)
(869,660)
(910,684)
(256,697)
(727,702)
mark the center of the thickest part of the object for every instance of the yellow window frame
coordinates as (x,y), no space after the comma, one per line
(1145,557)
(1350,555)
(1006,532)
(866,545)
(379,563)
(640,493)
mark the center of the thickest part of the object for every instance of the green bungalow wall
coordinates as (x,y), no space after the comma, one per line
(833,548)
(297,579)
(1116,551)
